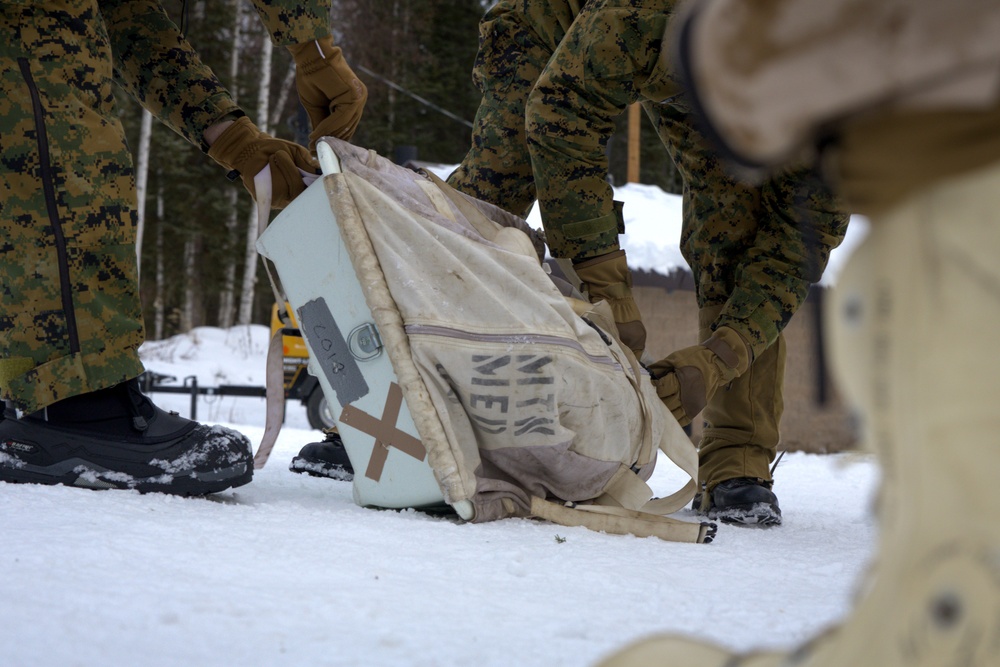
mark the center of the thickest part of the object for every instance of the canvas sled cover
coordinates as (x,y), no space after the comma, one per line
(524,400)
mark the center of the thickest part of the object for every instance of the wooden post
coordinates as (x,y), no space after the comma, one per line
(634,118)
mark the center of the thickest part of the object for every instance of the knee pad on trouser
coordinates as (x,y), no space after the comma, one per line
(741,420)
(915,321)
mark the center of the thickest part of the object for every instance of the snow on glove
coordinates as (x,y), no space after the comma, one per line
(331,93)
(607,278)
(687,379)
(244,148)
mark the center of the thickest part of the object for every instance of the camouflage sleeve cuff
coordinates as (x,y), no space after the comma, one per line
(231,113)
(756,317)
(293,21)
(585,238)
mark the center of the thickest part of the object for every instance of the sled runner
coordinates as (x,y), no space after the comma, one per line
(458,373)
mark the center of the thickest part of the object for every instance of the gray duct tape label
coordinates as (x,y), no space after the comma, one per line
(333,355)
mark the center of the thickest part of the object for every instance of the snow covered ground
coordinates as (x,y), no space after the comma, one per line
(289,571)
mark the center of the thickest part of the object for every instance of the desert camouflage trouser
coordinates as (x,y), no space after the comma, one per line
(753,250)
(70,317)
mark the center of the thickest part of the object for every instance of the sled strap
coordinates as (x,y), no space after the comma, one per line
(620,521)
(437,198)
(487,228)
(685,458)
(625,489)
(274,399)
(674,443)
(274,377)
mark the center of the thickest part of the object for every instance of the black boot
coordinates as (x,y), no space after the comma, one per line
(743,500)
(325,459)
(115,438)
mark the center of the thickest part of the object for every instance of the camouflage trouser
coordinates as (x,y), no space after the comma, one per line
(753,250)
(516,40)
(70,316)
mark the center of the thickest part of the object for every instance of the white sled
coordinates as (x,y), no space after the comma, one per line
(458,373)
(346,353)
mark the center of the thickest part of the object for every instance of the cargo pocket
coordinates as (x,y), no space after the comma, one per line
(508,54)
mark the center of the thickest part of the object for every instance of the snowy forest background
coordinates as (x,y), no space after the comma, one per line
(198,264)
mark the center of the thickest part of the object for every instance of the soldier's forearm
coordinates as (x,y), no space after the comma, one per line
(294,21)
(801,223)
(162,71)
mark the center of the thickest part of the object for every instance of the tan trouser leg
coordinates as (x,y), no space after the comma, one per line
(741,421)
(917,318)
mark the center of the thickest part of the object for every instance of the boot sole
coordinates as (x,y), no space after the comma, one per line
(317,469)
(87,475)
(750,514)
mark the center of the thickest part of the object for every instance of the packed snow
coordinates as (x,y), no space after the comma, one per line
(289,571)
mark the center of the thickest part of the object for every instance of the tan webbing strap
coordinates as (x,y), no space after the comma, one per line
(275,399)
(274,375)
(678,450)
(685,458)
(486,227)
(629,491)
(620,521)
(673,502)
(626,489)
(437,198)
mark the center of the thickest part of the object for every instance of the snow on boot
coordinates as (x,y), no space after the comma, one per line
(744,501)
(324,459)
(915,322)
(115,438)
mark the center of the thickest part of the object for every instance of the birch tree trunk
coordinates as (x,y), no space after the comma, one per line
(141,180)
(190,281)
(283,91)
(158,300)
(227,296)
(250,256)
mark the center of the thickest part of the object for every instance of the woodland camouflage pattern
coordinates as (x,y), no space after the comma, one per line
(552,89)
(294,21)
(516,40)
(71,320)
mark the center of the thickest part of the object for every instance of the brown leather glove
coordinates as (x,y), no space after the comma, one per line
(331,93)
(607,278)
(244,148)
(687,379)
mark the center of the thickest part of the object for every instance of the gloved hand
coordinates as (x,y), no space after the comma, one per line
(607,278)
(687,379)
(331,93)
(247,150)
